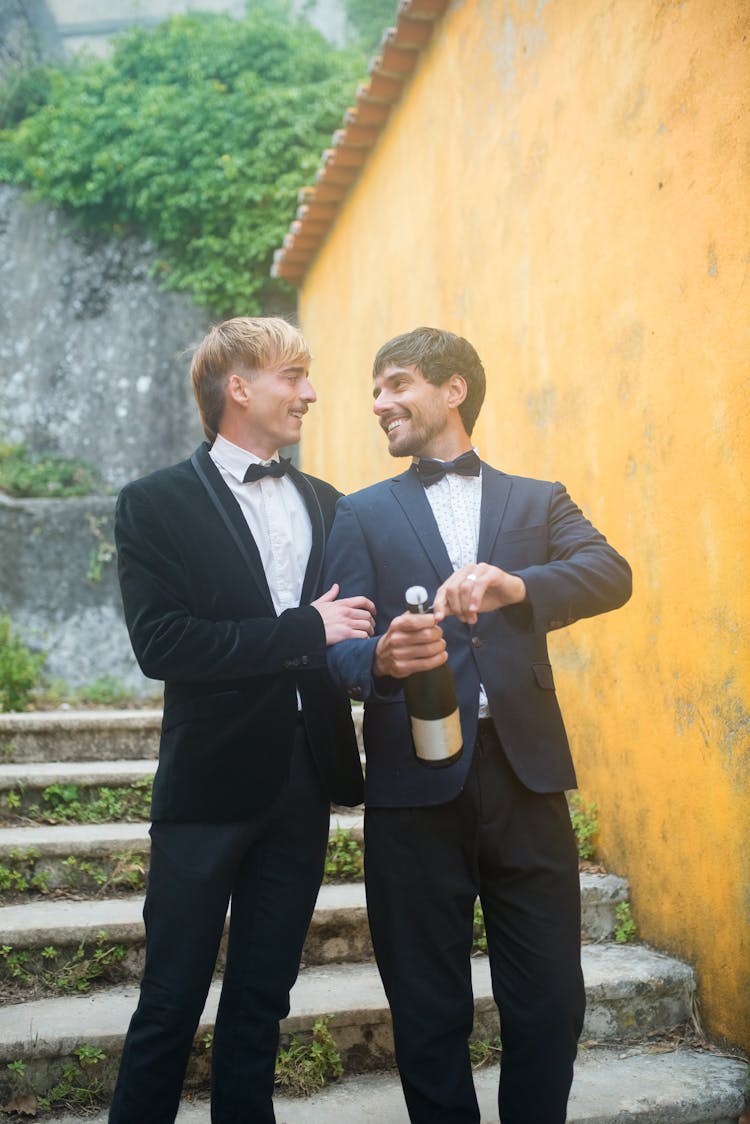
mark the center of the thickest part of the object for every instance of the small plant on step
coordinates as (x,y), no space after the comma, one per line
(67,803)
(344,860)
(585,824)
(22,1101)
(79,1085)
(19,874)
(307,1065)
(625,927)
(484,1051)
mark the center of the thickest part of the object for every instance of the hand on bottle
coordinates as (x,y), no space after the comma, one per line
(349,618)
(475,589)
(413,642)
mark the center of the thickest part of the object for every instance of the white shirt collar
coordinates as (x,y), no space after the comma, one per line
(234,459)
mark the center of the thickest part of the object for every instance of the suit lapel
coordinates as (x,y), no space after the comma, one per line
(314,570)
(495,493)
(229,511)
(409,493)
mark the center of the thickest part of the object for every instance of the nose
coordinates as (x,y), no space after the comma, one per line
(380,404)
(307,392)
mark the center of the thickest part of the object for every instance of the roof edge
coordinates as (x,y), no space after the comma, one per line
(341,165)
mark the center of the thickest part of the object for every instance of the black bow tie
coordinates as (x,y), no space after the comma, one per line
(430,471)
(256,471)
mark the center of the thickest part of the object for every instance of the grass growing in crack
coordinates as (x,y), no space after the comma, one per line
(484,1051)
(70,803)
(49,971)
(78,1085)
(307,1064)
(19,874)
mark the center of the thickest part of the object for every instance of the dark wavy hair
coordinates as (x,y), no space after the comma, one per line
(438,355)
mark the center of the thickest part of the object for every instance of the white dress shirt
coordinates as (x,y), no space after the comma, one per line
(277,517)
(456,502)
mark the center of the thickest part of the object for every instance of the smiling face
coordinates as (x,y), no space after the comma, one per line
(273,403)
(419,418)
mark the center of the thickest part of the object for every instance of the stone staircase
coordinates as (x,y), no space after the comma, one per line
(72,907)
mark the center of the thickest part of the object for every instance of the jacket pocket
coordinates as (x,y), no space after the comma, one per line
(543,676)
(204,706)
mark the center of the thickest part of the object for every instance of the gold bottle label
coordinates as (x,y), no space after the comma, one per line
(437,739)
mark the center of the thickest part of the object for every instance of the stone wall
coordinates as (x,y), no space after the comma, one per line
(28,33)
(92,353)
(92,365)
(58,582)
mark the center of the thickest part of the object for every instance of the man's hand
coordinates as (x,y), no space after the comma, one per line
(476,589)
(413,642)
(351,618)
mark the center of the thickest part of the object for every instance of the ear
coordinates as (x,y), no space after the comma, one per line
(237,389)
(456,390)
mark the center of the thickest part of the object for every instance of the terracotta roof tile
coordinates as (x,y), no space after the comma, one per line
(362,125)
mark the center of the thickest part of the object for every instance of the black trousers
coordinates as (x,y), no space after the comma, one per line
(271,870)
(424,868)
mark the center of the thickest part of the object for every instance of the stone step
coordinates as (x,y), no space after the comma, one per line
(338,933)
(631,992)
(88,735)
(91,858)
(79,735)
(23,787)
(610,1086)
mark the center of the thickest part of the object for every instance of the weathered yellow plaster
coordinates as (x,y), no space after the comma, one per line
(567,185)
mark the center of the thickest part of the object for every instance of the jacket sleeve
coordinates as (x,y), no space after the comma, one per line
(349,562)
(170,639)
(582,577)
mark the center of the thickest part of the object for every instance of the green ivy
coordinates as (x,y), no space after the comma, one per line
(197,133)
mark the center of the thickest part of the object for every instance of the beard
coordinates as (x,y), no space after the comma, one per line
(418,434)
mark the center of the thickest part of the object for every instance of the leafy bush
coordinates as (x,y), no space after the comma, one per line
(198,133)
(19,668)
(52,476)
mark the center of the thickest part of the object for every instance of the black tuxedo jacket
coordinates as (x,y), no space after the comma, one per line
(385,539)
(200,617)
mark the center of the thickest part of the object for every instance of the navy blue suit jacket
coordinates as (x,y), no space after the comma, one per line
(385,539)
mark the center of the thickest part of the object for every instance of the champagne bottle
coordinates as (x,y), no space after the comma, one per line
(432,705)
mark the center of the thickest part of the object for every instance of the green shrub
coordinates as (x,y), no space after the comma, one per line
(19,668)
(49,476)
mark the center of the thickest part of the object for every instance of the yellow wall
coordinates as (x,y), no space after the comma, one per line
(566,184)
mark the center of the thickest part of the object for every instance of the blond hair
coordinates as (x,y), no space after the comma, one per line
(246,344)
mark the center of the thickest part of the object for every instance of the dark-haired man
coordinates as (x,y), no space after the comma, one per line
(220,561)
(506,560)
